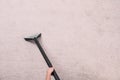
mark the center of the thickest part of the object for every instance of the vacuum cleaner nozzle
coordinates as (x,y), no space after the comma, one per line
(32,37)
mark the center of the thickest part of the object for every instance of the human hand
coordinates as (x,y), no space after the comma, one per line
(50,70)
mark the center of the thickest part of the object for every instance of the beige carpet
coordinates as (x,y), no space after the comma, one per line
(81,38)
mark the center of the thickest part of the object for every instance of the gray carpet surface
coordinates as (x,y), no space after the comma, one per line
(81,38)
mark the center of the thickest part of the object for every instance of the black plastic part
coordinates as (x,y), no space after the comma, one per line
(43,54)
(33,37)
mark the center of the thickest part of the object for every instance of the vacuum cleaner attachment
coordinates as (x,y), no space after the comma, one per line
(35,39)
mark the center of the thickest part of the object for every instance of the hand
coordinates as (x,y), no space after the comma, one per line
(50,70)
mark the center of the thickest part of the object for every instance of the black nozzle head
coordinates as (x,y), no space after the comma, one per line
(32,37)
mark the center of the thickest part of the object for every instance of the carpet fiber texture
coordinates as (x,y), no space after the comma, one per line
(80,37)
